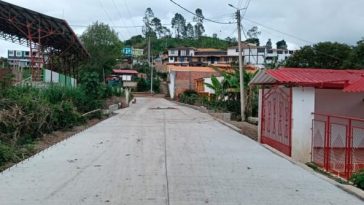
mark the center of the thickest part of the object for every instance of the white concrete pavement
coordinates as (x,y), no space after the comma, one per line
(146,156)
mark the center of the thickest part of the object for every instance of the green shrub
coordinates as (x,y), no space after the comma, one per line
(65,115)
(142,85)
(6,154)
(358,179)
(189,97)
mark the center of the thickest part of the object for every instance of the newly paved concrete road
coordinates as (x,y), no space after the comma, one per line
(163,156)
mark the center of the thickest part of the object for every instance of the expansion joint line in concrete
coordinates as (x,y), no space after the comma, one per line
(165,155)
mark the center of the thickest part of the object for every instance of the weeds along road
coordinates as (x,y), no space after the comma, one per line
(168,155)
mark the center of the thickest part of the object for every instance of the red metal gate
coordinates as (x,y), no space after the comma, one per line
(276,118)
(338,144)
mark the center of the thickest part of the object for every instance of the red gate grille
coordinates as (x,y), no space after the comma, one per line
(338,144)
(276,119)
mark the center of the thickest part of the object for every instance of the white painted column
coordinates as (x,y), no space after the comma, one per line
(303,105)
(260,114)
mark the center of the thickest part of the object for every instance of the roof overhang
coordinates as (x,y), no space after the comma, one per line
(348,80)
(23,26)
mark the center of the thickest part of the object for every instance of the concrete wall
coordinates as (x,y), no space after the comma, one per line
(182,81)
(232,52)
(172,84)
(54,77)
(303,104)
(339,103)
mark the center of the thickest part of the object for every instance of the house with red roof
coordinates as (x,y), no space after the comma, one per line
(314,115)
(123,76)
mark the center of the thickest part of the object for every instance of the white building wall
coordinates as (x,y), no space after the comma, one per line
(260,115)
(172,84)
(173,52)
(51,76)
(303,105)
(232,52)
(208,80)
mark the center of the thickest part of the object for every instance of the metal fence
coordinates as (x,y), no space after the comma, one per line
(338,144)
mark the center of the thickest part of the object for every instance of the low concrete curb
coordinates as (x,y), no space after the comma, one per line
(348,188)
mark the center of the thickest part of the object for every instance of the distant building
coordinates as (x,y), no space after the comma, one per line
(189,56)
(260,55)
(21,59)
(182,78)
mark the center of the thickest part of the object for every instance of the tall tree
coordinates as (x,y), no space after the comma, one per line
(253,40)
(269,44)
(254,32)
(282,44)
(148,25)
(253,35)
(190,31)
(104,47)
(198,19)
(179,24)
(322,55)
(356,58)
(157,27)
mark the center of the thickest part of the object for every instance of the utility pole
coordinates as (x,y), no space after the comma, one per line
(151,67)
(241,69)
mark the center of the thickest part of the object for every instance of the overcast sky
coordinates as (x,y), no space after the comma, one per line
(299,22)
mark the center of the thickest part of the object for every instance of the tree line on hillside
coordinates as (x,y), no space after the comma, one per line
(153,26)
(331,55)
(104,46)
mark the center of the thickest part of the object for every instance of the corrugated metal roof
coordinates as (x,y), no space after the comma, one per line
(357,86)
(262,78)
(313,76)
(351,80)
(120,71)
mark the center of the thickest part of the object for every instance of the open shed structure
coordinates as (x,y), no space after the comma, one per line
(50,39)
(314,115)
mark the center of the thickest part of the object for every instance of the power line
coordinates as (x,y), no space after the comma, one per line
(292,36)
(121,17)
(130,16)
(240,3)
(206,19)
(246,8)
(107,14)
(278,31)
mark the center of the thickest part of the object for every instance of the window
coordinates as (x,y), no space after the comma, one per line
(11,53)
(290,52)
(270,51)
(261,50)
(183,52)
(26,53)
(172,52)
(171,59)
(280,52)
(18,53)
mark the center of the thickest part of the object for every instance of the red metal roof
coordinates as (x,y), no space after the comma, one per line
(323,78)
(357,86)
(121,71)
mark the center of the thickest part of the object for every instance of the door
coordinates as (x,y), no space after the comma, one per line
(276,118)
